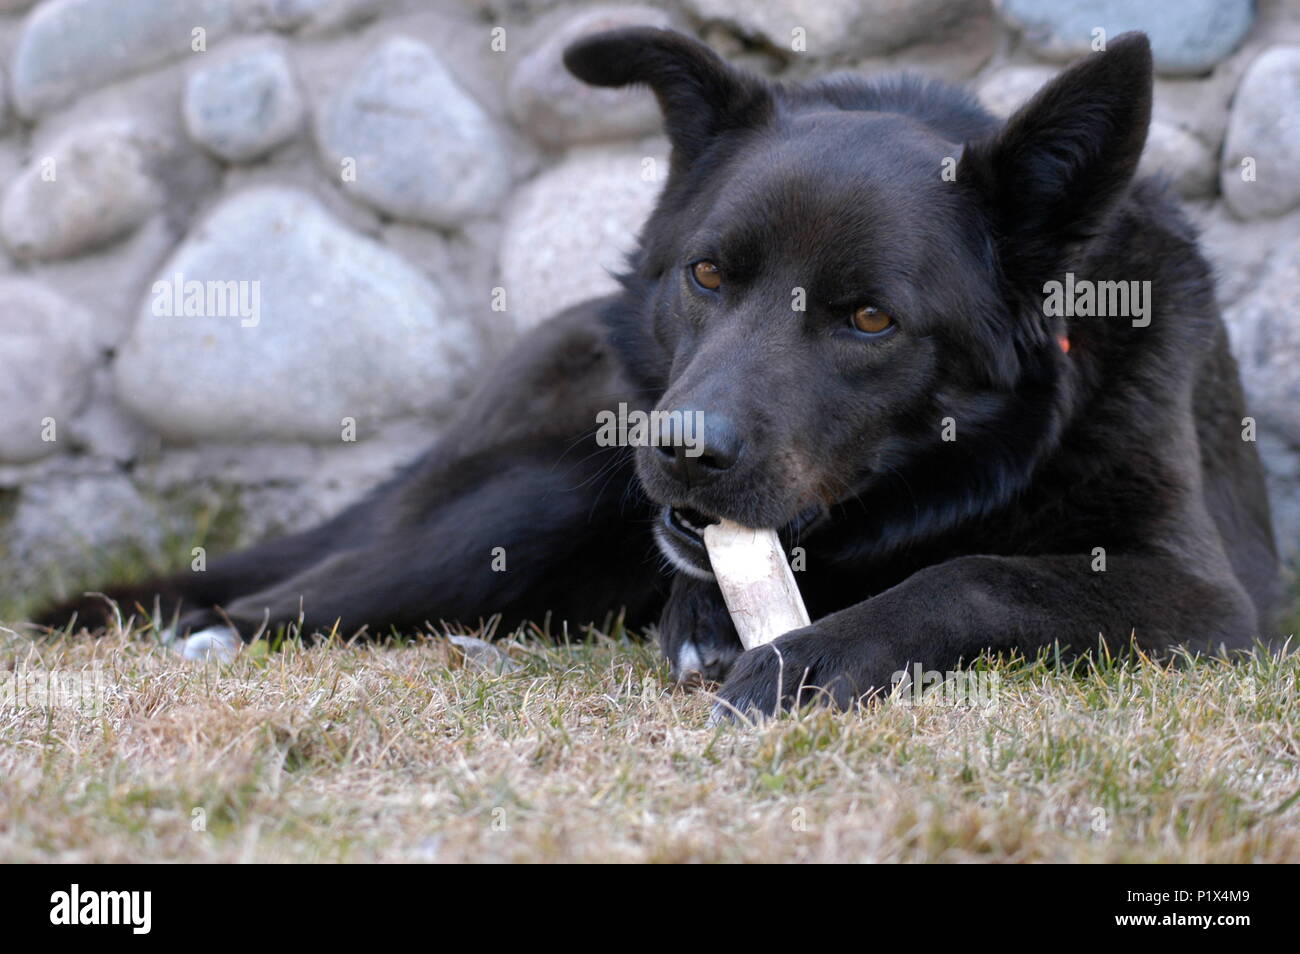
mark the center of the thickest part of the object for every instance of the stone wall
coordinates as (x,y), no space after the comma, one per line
(253,251)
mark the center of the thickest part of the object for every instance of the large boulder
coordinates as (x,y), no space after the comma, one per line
(70,47)
(272,320)
(48,357)
(1187,37)
(570,229)
(1263,137)
(420,147)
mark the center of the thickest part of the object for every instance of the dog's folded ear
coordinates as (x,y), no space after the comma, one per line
(1053,171)
(700,95)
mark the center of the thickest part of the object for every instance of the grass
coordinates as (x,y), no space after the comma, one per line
(410,751)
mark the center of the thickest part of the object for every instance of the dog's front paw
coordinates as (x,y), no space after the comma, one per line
(696,633)
(809,666)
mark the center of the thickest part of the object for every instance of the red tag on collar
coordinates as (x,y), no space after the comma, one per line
(1064,342)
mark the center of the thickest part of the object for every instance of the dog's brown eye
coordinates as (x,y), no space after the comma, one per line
(708,275)
(872,321)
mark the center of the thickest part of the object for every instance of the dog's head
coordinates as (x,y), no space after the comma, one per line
(842,281)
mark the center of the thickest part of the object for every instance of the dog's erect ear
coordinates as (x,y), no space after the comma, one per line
(700,95)
(1051,174)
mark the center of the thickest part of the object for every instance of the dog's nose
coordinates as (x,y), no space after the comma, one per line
(716,448)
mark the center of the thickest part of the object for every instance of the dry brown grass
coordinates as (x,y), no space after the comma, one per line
(402,752)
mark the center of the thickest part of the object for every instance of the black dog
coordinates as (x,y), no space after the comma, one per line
(848,280)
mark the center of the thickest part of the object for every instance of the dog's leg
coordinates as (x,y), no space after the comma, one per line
(696,633)
(949,614)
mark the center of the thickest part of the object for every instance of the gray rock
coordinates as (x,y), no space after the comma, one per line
(1199,105)
(107,282)
(1181,156)
(1239,250)
(70,531)
(48,358)
(1282,471)
(1265,127)
(515,9)
(282,487)
(462,263)
(1187,36)
(964,39)
(314,16)
(570,228)
(93,186)
(187,174)
(1266,340)
(297,166)
(68,47)
(1006,89)
(104,430)
(838,28)
(257,490)
(480,654)
(242,106)
(329,325)
(14,158)
(6,116)
(424,150)
(1170,149)
(557,109)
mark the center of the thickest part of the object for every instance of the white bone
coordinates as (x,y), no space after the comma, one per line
(756,582)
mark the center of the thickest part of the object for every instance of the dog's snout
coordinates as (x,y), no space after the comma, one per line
(715,448)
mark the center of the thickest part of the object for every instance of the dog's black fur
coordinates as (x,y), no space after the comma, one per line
(918,549)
